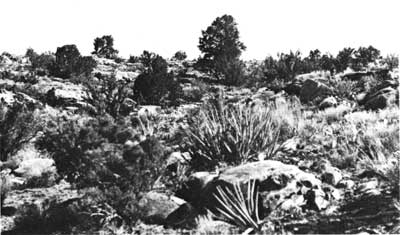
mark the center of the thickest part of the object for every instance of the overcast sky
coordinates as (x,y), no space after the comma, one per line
(165,26)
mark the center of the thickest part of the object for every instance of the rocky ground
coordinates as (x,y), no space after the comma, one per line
(335,167)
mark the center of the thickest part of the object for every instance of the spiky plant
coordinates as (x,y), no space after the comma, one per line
(386,166)
(239,208)
(231,134)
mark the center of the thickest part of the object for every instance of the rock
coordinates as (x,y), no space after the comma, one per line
(328,102)
(356,76)
(313,89)
(263,94)
(293,88)
(35,167)
(277,183)
(159,208)
(40,199)
(346,184)
(381,99)
(332,192)
(206,225)
(149,111)
(193,188)
(178,157)
(290,145)
(130,76)
(360,97)
(332,175)
(7,96)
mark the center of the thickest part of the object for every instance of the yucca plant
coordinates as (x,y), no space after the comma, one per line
(386,166)
(231,134)
(239,208)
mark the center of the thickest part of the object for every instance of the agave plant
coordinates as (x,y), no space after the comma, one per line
(232,134)
(239,208)
(386,166)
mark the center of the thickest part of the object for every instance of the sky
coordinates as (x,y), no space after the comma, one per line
(165,26)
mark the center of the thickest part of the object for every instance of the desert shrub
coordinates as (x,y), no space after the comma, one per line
(69,62)
(155,85)
(18,126)
(134,59)
(313,61)
(70,144)
(384,165)
(108,94)
(288,116)
(231,134)
(109,156)
(289,65)
(363,56)
(231,71)
(392,61)
(41,63)
(104,47)
(344,58)
(179,55)
(52,218)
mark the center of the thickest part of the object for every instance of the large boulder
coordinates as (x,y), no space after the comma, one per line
(328,102)
(36,167)
(159,208)
(312,90)
(381,99)
(281,186)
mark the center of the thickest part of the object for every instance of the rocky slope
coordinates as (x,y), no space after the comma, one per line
(315,183)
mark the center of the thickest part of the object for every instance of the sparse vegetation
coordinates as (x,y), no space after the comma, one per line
(217,145)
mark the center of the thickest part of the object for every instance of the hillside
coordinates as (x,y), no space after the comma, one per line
(139,145)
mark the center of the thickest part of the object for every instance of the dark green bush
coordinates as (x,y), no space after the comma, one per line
(134,59)
(180,55)
(42,63)
(69,62)
(71,144)
(104,47)
(155,85)
(91,153)
(18,126)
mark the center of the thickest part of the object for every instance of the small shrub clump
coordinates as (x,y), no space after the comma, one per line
(108,156)
(179,55)
(109,95)
(18,126)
